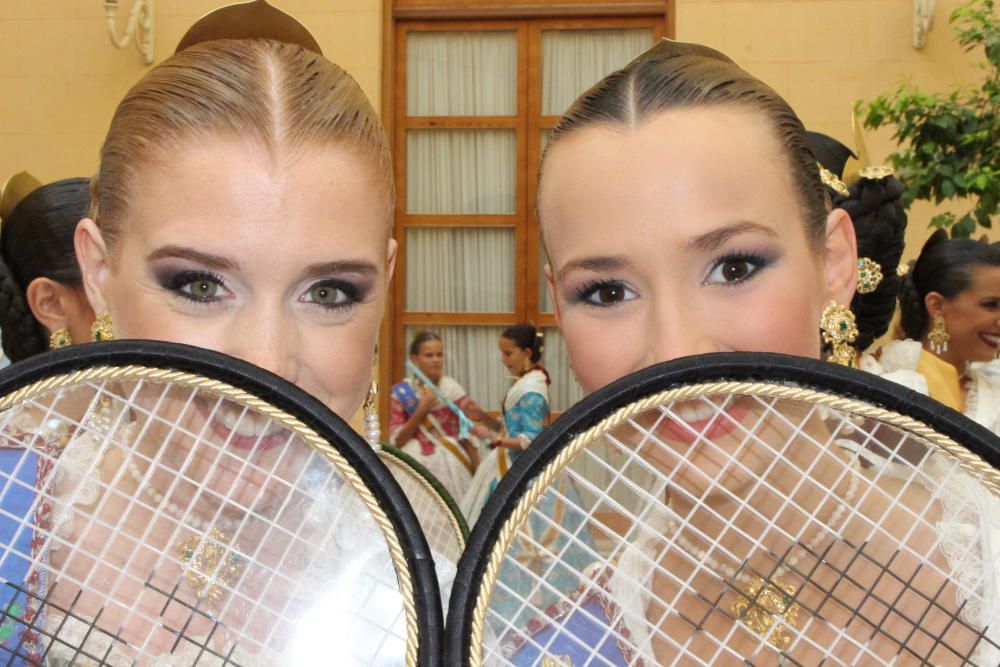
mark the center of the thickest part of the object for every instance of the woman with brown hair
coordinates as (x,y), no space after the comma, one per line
(683,212)
(243,204)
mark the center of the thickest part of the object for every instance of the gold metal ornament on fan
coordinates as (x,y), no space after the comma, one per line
(209,564)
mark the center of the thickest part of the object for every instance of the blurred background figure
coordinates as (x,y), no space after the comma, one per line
(42,302)
(421,422)
(949,328)
(525,412)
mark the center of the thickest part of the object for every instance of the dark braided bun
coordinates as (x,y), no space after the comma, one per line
(36,240)
(945,266)
(876,208)
(23,335)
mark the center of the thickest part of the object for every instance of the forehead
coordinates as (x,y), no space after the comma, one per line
(675,176)
(230,197)
(986,280)
(431,346)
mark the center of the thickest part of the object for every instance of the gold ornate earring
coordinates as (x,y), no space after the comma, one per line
(373,431)
(839,330)
(869,275)
(102,329)
(938,336)
(527,363)
(60,338)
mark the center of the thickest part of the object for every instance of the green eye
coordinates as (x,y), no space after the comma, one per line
(325,295)
(203,290)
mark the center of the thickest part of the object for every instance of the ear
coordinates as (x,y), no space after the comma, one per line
(840,257)
(550,284)
(934,302)
(92,254)
(390,259)
(47,303)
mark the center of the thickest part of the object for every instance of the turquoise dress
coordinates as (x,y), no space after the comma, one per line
(541,547)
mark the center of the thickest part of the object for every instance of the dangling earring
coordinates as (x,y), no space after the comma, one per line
(373,431)
(527,364)
(938,336)
(839,330)
(60,338)
(102,329)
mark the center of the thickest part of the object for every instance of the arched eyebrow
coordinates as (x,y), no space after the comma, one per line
(717,238)
(597,263)
(205,259)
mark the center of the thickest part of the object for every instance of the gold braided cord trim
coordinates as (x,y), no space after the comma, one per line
(410,473)
(968,461)
(184,379)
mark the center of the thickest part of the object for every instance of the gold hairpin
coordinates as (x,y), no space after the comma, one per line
(249,20)
(831,181)
(869,275)
(17,187)
(876,172)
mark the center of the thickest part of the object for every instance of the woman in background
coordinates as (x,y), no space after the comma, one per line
(42,301)
(950,317)
(525,410)
(422,425)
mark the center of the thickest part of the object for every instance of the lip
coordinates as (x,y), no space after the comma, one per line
(258,442)
(990,339)
(721,423)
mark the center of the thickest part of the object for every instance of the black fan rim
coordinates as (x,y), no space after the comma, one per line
(700,369)
(435,483)
(291,399)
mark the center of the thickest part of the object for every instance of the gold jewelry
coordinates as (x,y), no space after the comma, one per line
(839,330)
(102,329)
(527,363)
(877,172)
(60,338)
(938,336)
(373,430)
(762,603)
(869,275)
(209,564)
(902,270)
(831,181)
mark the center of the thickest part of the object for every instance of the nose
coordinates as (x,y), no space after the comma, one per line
(675,330)
(268,338)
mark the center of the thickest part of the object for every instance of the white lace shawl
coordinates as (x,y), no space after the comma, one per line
(969,526)
(898,360)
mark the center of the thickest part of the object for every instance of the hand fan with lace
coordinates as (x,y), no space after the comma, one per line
(164,505)
(739,509)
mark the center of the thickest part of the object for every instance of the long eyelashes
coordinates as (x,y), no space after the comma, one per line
(206,287)
(603,293)
(737,268)
(197,286)
(333,294)
(730,270)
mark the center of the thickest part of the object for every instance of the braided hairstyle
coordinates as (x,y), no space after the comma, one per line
(876,209)
(36,241)
(527,337)
(944,266)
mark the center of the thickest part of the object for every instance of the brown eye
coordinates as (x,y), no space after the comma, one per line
(735,271)
(610,294)
(606,294)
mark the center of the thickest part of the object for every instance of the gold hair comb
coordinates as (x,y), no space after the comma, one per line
(249,20)
(17,187)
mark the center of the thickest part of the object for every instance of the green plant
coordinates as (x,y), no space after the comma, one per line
(949,143)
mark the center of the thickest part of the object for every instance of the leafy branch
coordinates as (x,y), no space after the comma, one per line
(949,143)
